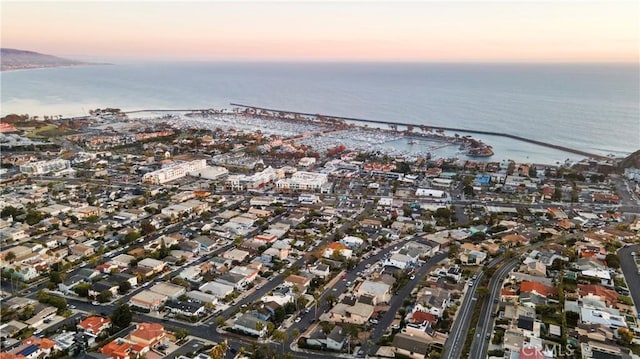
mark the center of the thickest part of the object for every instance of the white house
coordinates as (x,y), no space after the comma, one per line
(398,260)
(193,274)
(428,192)
(380,290)
(352,242)
(217,289)
(248,323)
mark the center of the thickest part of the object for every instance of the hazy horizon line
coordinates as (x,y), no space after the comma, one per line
(120,60)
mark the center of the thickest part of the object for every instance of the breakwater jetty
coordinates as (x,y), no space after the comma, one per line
(293,114)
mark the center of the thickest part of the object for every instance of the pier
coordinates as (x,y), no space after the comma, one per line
(295,114)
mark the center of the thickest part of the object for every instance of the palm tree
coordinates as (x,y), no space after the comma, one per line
(296,292)
(219,351)
(259,326)
(281,337)
(316,298)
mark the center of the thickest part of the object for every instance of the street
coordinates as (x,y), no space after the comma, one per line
(480,342)
(628,267)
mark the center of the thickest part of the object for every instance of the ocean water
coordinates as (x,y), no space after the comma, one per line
(595,108)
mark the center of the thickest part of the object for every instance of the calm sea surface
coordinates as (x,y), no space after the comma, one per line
(594,108)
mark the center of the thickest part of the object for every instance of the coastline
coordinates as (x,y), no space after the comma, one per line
(277,86)
(21,69)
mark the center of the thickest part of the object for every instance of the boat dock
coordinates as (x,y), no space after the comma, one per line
(293,114)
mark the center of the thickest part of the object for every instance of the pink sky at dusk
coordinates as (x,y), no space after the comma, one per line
(569,31)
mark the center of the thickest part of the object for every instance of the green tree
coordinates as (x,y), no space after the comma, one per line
(105,296)
(27,312)
(10,256)
(146,227)
(612,261)
(34,217)
(428,228)
(259,326)
(219,351)
(557,193)
(572,318)
(483,291)
(326,327)
(453,251)
(270,328)
(82,289)
(468,190)
(625,336)
(181,333)
(11,211)
(56,277)
(443,213)
(124,287)
(220,321)
(406,210)
(281,337)
(336,255)
(164,251)
(403,167)
(131,236)
(122,316)
(91,200)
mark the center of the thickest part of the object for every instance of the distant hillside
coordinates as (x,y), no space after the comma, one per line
(12,59)
(633,160)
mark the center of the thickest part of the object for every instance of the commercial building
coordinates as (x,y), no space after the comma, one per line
(148,300)
(303,181)
(255,181)
(174,172)
(45,167)
(170,290)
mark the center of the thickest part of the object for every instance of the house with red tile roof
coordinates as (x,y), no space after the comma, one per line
(32,347)
(148,334)
(420,317)
(606,198)
(566,224)
(5,355)
(515,239)
(119,349)
(45,344)
(508,294)
(557,213)
(106,267)
(547,192)
(300,281)
(537,288)
(266,238)
(609,296)
(7,127)
(95,324)
(336,246)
